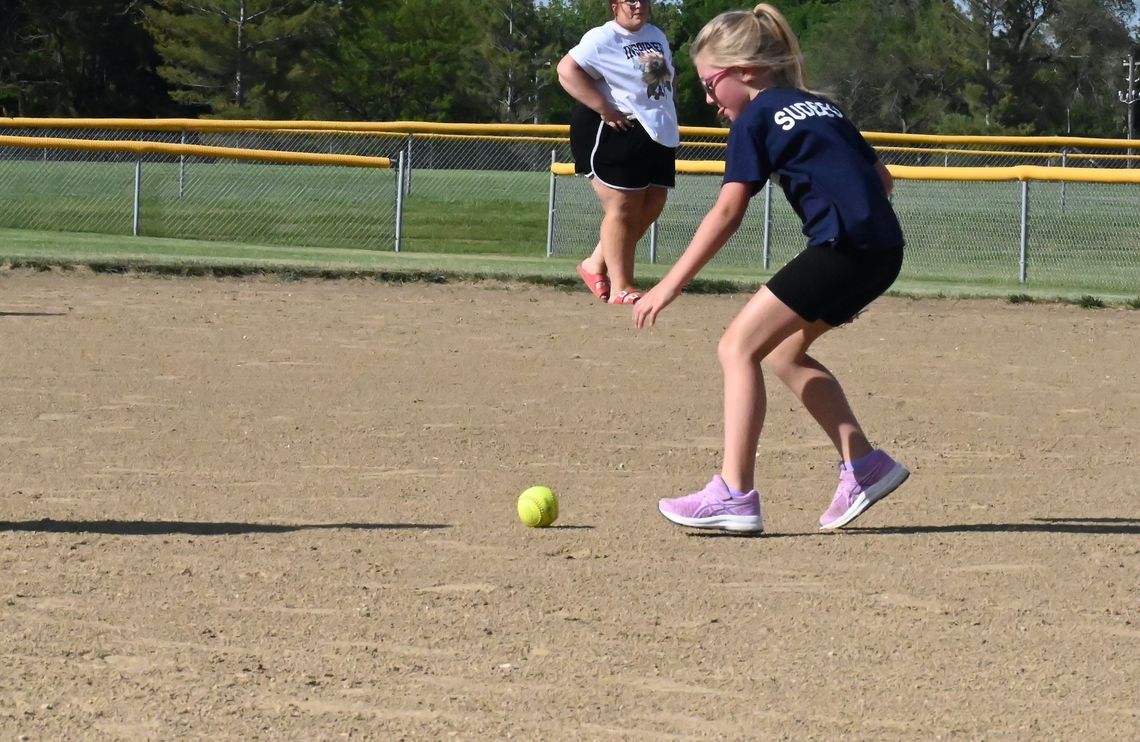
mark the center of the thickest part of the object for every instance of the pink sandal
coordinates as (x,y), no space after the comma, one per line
(598,284)
(627,297)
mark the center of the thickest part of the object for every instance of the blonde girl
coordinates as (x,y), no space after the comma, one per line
(751,69)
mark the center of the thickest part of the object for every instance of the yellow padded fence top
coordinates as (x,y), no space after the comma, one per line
(195,150)
(1016,172)
(353,127)
(215,125)
(426,127)
(973,174)
(1019,154)
(1004,141)
(691,167)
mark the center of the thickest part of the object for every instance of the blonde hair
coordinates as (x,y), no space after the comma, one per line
(761,38)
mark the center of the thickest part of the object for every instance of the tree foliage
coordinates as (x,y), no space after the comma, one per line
(236,57)
(952,66)
(70,58)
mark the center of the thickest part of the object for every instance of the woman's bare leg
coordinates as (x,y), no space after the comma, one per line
(627,217)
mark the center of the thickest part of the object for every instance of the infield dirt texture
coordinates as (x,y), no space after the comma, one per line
(258,509)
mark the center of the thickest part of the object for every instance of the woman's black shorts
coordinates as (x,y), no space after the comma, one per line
(835,282)
(627,160)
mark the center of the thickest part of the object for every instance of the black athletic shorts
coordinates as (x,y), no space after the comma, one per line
(835,282)
(628,160)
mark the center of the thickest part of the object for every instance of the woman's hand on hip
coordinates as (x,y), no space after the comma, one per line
(615,119)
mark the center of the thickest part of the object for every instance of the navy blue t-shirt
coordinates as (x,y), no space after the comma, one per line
(822,162)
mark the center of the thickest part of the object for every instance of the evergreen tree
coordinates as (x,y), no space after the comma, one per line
(77,58)
(238,58)
(416,59)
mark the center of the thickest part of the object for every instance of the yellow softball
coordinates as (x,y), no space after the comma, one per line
(538,507)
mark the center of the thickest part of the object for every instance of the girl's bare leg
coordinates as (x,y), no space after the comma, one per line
(763,324)
(819,391)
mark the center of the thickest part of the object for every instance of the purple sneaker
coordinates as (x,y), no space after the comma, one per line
(879,478)
(715,507)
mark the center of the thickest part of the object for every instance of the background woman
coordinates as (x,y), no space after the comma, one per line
(623,137)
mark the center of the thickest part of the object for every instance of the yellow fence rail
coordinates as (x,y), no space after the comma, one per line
(195,150)
(960,174)
(425,127)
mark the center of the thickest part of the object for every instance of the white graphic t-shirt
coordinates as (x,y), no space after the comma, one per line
(635,72)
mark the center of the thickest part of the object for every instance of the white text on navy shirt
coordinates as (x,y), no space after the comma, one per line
(787,116)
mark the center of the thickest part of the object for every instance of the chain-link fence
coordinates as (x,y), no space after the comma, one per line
(208,198)
(1076,235)
(487,192)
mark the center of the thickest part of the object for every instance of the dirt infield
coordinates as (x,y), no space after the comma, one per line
(237,509)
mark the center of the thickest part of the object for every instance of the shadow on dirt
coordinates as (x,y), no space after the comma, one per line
(1105,526)
(33,314)
(166,528)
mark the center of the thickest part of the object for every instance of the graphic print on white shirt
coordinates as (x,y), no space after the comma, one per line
(655,72)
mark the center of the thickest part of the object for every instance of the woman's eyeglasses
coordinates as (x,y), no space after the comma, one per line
(631,4)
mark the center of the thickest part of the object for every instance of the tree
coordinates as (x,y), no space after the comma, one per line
(237,57)
(455,60)
(416,59)
(1087,43)
(894,65)
(513,53)
(1051,65)
(560,25)
(77,58)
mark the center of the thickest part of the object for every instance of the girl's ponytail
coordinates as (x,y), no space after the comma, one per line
(788,65)
(761,38)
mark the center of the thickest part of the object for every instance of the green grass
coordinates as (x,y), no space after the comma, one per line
(1090,302)
(177,257)
(466,212)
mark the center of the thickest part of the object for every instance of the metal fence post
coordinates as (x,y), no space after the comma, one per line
(1064,163)
(182,169)
(406,178)
(399,201)
(553,191)
(1023,273)
(653,242)
(135,215)
(767,225)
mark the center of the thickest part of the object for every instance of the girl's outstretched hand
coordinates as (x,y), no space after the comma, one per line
(647,308)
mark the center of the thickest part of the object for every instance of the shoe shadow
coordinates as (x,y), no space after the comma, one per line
(746,534)
(1135,521)
(1104,526)
(192,528)
(33,314)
